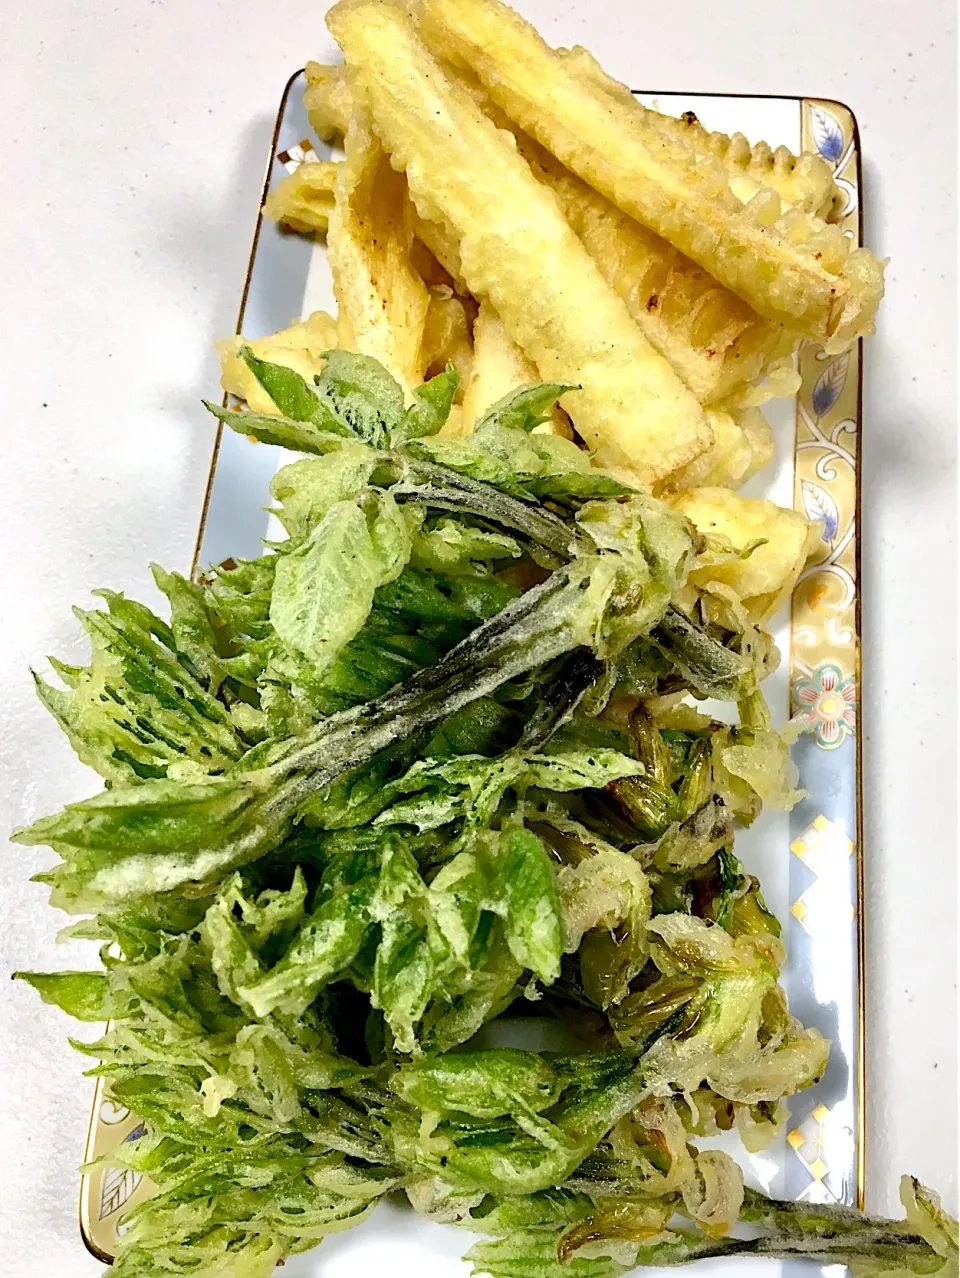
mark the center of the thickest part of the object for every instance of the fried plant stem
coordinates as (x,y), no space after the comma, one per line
(824,1233)
(516,248)
(790,267)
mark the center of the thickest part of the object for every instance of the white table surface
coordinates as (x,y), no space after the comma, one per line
(133,143)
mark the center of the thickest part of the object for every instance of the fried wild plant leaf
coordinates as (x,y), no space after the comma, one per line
(84,995)
(525,467)
(411,951)
(472,786)
(606,904)
(525,895)
(430,407)
(239,595)
(279,430)
(751,763)
(490,984)
(243,1212)
(325,944)
(471,460)
(192,626)
(143,704)
(533,1254)
(308,489)
(291,394)
(421,937)
(132,842)
(240,933)
(548,1210)
(452,546)
(485,1084)
(362,396)
(438,601)
(442,487)
(523,409)
(323,590)
(501,1157)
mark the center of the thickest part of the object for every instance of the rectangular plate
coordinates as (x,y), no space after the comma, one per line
(809,861)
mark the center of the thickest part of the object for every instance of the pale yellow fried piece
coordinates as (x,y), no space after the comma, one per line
(303,201)
(790,267)
(327,100)
(765,577)
(802,181)
(442,243)
(382,301)
(516,249)
(448,334)
(298,347)
(499,367)
(781,381)
(710,336)
(743,444)
(424,261)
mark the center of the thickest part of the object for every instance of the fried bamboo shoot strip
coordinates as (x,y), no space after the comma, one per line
(516,248)
(303,201)
(711,337)
(382,301)
(802,181)
(499,365)
(743,444)
(790,267)
(327,100)
(447,334)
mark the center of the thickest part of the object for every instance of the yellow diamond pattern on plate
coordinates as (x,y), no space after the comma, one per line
(808,1140)
(825,850)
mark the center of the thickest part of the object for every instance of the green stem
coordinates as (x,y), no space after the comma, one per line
(533,630)
(446,489)
(711,668)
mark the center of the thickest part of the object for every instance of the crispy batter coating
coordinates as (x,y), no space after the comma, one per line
(790,266)
(517,249)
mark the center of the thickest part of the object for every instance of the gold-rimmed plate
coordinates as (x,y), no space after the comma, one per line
(809,860)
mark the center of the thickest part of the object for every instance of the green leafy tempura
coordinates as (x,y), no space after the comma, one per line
(431,758)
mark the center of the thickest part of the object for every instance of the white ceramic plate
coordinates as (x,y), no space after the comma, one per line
(807,861)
